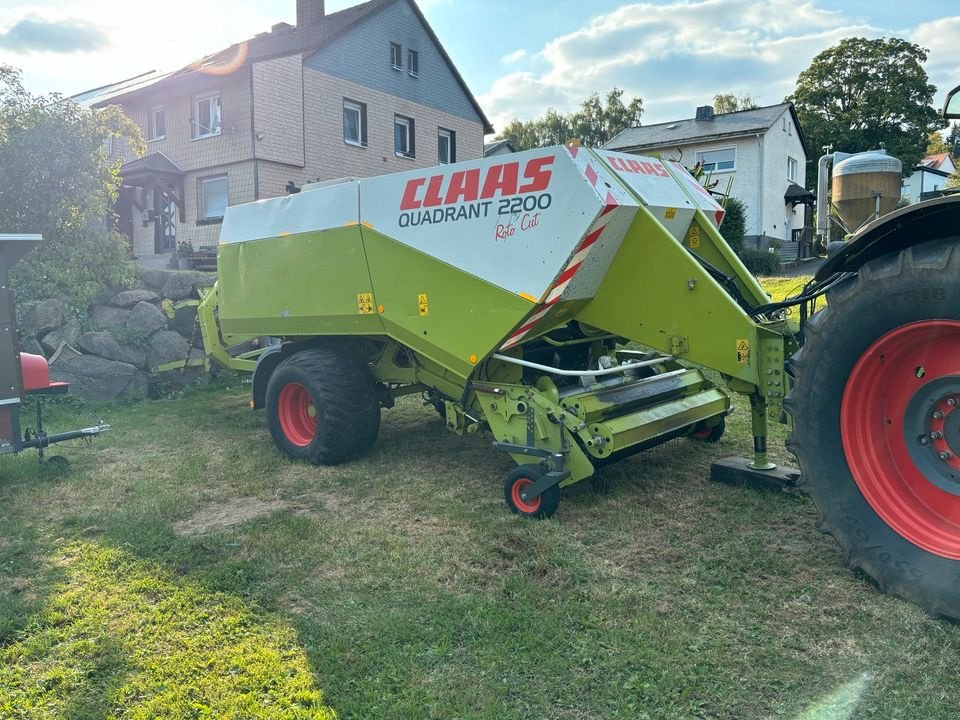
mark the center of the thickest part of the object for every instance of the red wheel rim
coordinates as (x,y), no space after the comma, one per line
(901,394)
(516,492)
(297,414)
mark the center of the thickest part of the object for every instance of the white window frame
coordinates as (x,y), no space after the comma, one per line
(201,127)
(354,106)
(448,135)
(413,63)
(152,123)
(396,56)
(202,206)
(404,122)
(715,170)
(793,168)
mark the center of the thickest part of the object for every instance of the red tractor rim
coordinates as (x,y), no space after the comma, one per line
(516,495)
(297,414)
(901,445)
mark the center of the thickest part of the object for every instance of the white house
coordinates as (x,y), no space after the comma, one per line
(928,178)
(760,153)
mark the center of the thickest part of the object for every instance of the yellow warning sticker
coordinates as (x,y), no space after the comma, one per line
(670,213)
(422,304)
(695,236)
(365,303)
(743,351)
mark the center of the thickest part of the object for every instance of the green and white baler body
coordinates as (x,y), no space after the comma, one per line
(562,298)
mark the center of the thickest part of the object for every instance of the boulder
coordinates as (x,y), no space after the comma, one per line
(184,321)
(129,298)
(43,317)
(167,346)
(106,346)
(183,284)
(96,378)
(146,319)
(106,317)
(155,279)
(68,333)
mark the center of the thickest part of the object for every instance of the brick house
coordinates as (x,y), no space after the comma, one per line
(365,91)
(761,154)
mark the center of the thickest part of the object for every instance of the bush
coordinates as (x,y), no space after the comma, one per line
(761,263)
(734,225)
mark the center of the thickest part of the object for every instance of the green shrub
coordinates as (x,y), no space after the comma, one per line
(761,263)
(734,224)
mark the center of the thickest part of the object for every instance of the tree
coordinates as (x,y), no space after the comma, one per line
(57,181)
(953,140)
(954,180)
(594,124)
(728,102)
(864,94)
(936,144)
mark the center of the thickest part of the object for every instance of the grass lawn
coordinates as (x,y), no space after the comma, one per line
(185,569)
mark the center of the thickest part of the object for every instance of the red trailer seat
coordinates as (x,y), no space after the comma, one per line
(36,375)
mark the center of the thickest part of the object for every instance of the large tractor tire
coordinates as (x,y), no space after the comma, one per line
(876,411)
(322,407)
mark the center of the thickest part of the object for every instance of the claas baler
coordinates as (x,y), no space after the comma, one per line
(567,301)
(562,299)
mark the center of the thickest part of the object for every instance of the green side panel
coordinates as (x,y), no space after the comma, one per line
(463,316)
(656,295)
(305,284)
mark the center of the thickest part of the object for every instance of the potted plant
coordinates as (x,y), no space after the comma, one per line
(185,254)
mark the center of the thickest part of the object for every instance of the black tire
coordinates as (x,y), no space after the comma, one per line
(709,434)
(343,415)
(918,287)
(543,507)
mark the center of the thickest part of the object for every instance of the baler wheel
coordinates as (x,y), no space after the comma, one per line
(322,406)
(876,410)
(522,477)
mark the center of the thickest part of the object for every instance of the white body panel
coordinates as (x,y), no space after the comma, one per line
(515,221)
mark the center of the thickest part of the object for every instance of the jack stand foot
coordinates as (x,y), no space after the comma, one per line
(740,471)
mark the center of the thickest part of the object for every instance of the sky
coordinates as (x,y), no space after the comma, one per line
(519,57)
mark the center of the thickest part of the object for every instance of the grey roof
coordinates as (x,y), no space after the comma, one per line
(678,132)
(491,147)
(283,40)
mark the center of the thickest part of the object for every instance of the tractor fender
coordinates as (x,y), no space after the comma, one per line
(930,220)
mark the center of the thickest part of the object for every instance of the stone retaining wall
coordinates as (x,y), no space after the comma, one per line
(134,337)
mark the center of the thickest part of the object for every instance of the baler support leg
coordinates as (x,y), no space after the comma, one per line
(759,472)
(758,411)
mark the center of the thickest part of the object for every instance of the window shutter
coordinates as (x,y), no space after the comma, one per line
(363,124)
(413,140)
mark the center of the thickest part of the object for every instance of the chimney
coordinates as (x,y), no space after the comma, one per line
(309,12)
(705,112)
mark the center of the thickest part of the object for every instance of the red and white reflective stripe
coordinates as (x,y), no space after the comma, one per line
(581,253)
(575,262)
(583,249)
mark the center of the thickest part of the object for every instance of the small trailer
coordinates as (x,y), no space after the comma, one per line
(24,376)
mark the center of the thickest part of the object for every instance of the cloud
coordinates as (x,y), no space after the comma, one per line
(678,54)
(943,64)
(34,34)
(515,56)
